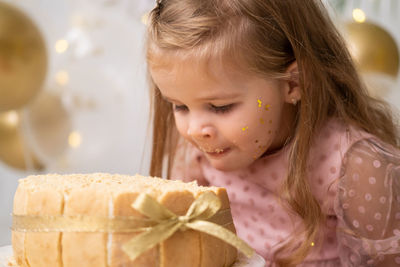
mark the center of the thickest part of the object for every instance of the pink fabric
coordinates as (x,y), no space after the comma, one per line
(354,177)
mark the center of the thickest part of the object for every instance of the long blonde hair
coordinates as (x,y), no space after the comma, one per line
(264,37)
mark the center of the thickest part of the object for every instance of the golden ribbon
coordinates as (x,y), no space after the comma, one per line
(203,215)
(202,209)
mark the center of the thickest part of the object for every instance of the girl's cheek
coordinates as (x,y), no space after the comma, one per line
(261,133)
(181,126)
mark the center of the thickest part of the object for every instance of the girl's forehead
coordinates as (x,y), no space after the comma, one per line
(178,62)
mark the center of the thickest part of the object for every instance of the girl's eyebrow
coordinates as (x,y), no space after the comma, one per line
(220,96)
(208,98)
(168,99)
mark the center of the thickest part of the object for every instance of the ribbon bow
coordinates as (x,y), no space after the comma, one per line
(198,217)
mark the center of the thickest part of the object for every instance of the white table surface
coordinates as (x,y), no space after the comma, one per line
(255,261)
(5,255)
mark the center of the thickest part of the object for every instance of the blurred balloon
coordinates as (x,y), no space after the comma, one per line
(373,48)
(13,148)
(47,126)
(23,59)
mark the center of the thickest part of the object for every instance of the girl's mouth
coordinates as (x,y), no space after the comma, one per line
(217,152)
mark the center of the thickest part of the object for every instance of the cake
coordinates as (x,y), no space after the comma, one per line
(108,196)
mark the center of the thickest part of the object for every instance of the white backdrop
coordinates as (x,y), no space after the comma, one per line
(106,96)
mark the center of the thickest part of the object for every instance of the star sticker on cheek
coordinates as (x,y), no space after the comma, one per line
(261,121)
(267,107)
(259,103)
(245,128)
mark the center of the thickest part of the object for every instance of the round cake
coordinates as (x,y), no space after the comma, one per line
(55,197)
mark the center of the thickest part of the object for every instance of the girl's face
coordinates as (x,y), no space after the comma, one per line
(233,118)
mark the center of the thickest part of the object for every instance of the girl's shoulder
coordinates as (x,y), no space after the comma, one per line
(336,138)
(338,150)
(356,180)
(367,203)
(339,133)
(342,140)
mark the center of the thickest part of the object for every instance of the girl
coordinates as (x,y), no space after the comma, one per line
(261,97)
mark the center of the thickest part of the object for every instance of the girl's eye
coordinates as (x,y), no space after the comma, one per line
(222,109)
(180,108)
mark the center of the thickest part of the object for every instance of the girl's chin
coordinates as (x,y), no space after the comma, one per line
(229,165)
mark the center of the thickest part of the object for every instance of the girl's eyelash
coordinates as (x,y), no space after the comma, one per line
(213,108)
(180,108)
(222,109)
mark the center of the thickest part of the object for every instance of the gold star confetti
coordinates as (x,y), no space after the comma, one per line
(259,103)
(267,107)
(245,128)
(261,121)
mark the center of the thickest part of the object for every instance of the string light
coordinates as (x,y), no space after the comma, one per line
(145,18)
(358,15)
(12,118)
(61,46)
(74,139)
(62,77)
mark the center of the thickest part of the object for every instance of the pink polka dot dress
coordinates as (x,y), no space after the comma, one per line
(355,178)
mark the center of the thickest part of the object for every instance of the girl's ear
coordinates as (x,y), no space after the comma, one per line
(292,85)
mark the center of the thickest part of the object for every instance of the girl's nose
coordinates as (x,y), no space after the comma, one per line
(201,132)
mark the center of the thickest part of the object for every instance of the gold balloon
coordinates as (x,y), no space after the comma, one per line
(373,48)
(47,126)
(23,59)
(13,148)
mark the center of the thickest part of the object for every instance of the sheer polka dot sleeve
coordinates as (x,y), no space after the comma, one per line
(187,164)
(368,205)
